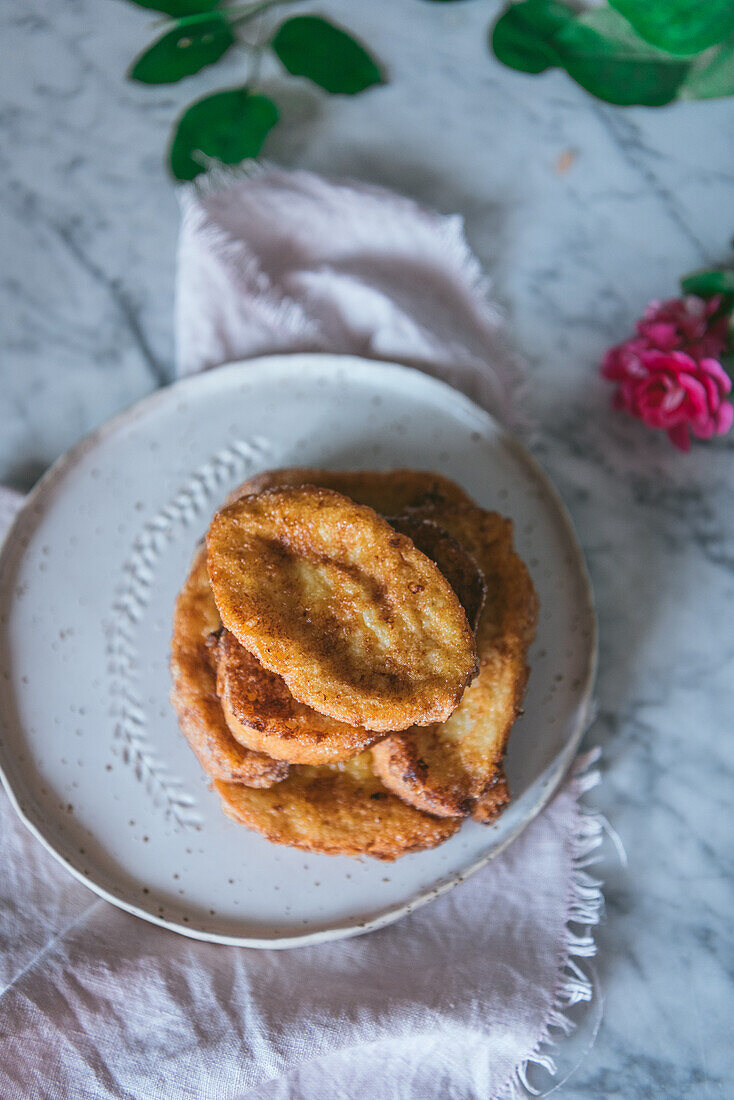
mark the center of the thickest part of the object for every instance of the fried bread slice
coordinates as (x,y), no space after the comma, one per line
(340,809)
(390,492)
(455,768)
(262,714)
(194,694)
(258,707)
(360,624)
(454,561)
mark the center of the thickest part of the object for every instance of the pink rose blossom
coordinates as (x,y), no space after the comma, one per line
(684,324)
(671,390)
(668,374)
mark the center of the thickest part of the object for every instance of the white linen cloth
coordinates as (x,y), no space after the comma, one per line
(453,1001)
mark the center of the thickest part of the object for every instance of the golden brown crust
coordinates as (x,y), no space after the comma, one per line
(359,623)
(387,491)
(491,804)
(337,809)
(455,768)
(262,714)
(259,709)
(194,694)
(457,564)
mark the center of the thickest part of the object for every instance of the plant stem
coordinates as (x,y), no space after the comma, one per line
(240,15)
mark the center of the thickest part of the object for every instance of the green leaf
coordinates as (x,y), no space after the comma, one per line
(708,283)
(711,75)
(177,8)
(228,126)
(315,48)
(521,36)
(679,26)
(194,42)
(602,53)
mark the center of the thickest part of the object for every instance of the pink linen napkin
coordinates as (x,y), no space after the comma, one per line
(290,261)
(463,996)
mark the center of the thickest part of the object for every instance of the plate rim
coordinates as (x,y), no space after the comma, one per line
(553,775)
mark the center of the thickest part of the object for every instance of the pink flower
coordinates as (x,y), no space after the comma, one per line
(685,324)
(670,390)
(669,375)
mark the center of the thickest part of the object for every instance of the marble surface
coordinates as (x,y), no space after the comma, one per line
(580,212)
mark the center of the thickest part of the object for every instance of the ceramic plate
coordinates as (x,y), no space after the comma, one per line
(91,753)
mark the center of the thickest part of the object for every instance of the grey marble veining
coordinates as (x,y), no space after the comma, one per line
(88,224)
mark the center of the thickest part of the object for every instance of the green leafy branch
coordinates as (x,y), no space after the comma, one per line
(647,52)
(626,52)
(232,125)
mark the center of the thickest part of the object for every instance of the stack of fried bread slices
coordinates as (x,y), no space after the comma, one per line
(349,656)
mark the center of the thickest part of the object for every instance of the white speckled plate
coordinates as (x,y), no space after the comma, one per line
(91,753)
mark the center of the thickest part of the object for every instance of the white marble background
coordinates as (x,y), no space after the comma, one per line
(88,225)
